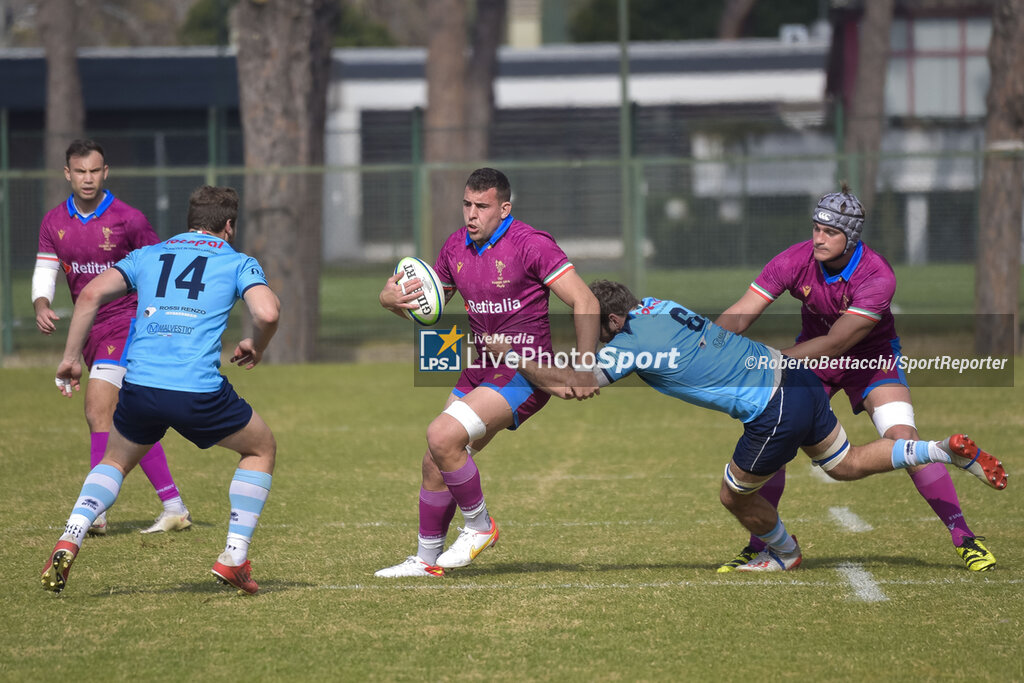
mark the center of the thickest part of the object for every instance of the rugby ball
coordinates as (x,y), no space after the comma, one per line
(431,299)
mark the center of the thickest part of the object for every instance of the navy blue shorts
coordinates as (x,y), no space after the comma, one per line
(144,414)
(799,414)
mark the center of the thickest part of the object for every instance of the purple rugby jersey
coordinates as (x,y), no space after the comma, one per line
(505,284)
(865,287)
(85,247)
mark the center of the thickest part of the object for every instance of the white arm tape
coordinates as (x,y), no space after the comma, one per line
(44,277)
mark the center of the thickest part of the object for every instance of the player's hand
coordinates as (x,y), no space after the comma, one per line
(583,385)
(396,297)
(68,377)
(45,317)
(246,355)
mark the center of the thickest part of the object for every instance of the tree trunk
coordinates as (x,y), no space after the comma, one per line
(445,118)
(997,274)
(867,108)
(488,30)
(735,12)
(283,68)
(65,109)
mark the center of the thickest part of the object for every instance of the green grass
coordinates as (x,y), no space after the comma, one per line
(611,528)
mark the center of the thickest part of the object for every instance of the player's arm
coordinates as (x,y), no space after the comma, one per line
(586,318)
(265,310)
(845,333)
(44,286)
(104,288)
(553,380)
(742,314)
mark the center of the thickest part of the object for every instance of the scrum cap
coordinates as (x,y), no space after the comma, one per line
(843,211)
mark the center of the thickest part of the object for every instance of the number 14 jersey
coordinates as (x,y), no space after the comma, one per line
(187,287)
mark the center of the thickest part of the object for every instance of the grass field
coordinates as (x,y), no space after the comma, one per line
(611,528)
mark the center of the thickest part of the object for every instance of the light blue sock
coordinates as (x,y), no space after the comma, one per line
(99,491)
(907,453)
(248,493)
(778,539)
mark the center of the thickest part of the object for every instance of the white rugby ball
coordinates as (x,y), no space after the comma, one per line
(431,299)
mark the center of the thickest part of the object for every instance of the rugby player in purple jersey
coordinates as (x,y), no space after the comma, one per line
(846,290)
(84,236)
(504,270)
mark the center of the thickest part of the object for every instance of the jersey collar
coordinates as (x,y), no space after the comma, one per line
(108,199)
(847,272)
(494,238)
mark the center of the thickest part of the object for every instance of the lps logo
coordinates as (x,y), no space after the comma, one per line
(441,351)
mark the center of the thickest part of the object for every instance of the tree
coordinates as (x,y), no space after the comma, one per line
(460,101)
(997,273)
(283,70)
(734,14)
(65,108)
(867,104)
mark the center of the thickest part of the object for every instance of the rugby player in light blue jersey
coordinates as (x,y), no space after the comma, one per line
(186,288)
(782,406)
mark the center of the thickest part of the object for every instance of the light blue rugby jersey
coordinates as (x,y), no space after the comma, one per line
(186,286)
(699,362)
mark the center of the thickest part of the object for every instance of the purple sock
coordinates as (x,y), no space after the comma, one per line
(437,508)
(464,484)
(772,492)
(936,486)
(154,464)
(97,446)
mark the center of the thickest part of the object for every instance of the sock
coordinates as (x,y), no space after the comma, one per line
(175,506)
(99,491)
(907,453)
(464,484)
(779,540)
(936,486)
(154,464)
(436,511)
(97,447)
(248,493)
(772,492)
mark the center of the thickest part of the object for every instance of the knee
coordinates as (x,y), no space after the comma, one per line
(444,436)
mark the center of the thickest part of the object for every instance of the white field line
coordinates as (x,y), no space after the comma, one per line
(848,520)
(863,583)
(455,584)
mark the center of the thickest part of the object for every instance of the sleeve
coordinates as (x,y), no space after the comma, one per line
(774,278)
(250,274)
(142,233)
(128,268)
(442,266)
(544,259)
(873,295)
(617,358)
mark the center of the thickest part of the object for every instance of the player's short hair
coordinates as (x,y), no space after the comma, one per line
(82,147)
(209,208)
(614,297)
(843,211)
(483,179)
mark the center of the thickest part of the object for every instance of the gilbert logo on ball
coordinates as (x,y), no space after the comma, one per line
(430,302)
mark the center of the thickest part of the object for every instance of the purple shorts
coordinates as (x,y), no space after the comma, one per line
(522,397)
(858,383)
(107,341)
